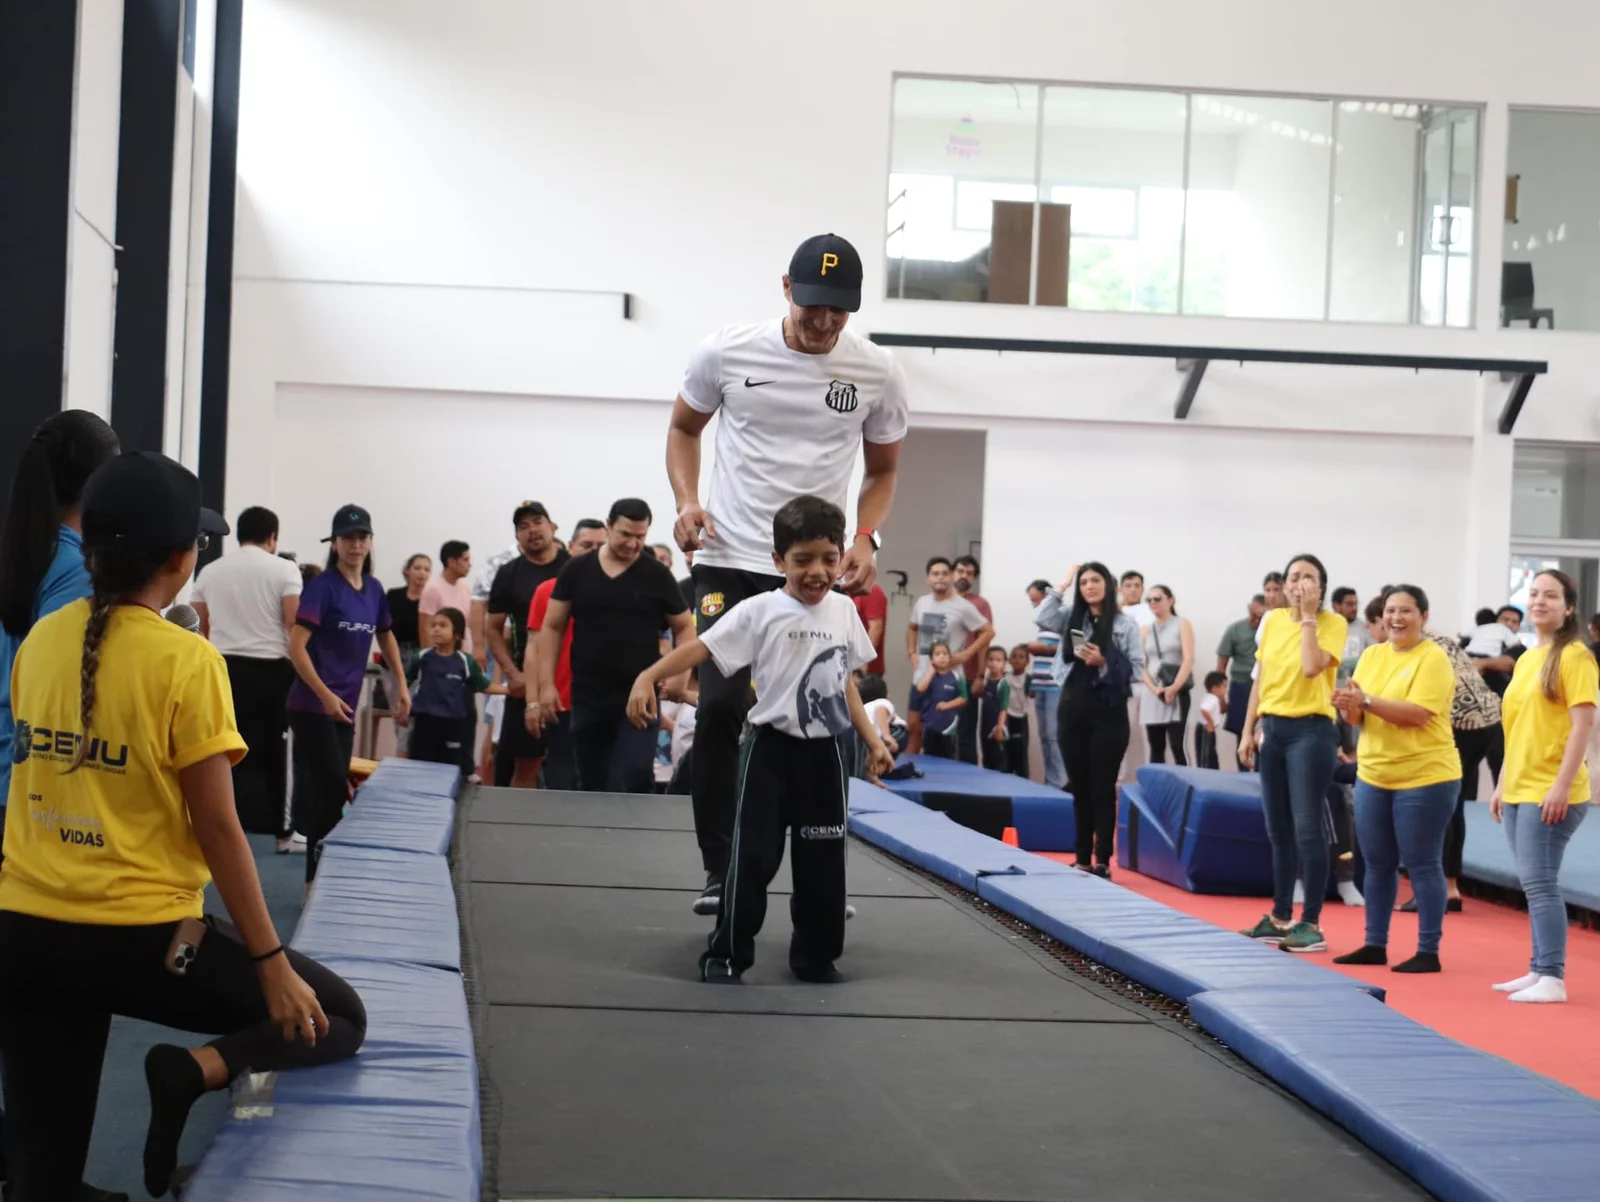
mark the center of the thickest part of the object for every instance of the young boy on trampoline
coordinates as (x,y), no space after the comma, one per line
(801,644)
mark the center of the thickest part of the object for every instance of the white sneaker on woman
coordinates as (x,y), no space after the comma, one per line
(1548,989)
(1350,895)
(1518,985)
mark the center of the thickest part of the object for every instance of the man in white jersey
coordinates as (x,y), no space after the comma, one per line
(799,396)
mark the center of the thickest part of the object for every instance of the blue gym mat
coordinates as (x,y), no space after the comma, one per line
(1468,1126)
(954,776)
(1488,857)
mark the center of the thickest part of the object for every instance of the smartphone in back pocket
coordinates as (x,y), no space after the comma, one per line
(185,945)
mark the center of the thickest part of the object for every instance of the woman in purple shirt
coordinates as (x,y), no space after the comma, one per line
(341,612)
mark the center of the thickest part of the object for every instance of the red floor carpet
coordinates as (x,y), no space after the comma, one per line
(1483,944)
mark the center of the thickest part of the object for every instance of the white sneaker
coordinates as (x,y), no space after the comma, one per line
(1350,895)
(849,911)
(1299,893)
(1518,985)
(1547,989)
(294,845)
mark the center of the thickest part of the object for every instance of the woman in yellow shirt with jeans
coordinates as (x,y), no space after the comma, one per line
(121,812)
(1544,785)
(1408,776)
(1292,699)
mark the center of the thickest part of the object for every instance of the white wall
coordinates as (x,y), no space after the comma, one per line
(654,147)
(938,511)
(91,263)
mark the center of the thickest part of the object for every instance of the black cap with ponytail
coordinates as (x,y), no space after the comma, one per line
(55,465)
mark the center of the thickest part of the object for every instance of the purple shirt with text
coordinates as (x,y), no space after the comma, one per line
(343,624)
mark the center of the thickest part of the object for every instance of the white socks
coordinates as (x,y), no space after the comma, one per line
(1350,895)
(1518,985)
(1546,989)
(1299,893)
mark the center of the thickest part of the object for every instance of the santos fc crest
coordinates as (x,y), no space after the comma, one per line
(841,397)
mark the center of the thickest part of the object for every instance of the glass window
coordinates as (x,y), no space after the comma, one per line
(962,166)
(1551,273)
(1555,491)
(1113,160)
(1134,200)
(1260,248)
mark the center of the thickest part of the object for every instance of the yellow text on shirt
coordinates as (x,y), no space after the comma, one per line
(111,843)
(1286,691)
(1408,757)
(1537,728)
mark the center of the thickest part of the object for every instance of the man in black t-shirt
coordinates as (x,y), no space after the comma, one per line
(618,601)
(517,759)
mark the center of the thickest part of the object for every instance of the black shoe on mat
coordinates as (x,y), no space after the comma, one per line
(710,899)
(718,972)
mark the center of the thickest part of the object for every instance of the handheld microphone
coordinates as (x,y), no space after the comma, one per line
(184,616)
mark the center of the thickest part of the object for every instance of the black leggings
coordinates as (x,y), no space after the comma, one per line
(1094,738)
(1475,746)
(1162,735)
(322,750)
(60,985)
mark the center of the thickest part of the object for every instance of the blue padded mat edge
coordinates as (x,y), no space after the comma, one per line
(953,776)
(400,1120)
(385,815)
(1160,947)
(1464,1124)
(931,841)
(1488,857)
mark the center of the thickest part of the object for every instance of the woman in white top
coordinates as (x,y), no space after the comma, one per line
(1168,677)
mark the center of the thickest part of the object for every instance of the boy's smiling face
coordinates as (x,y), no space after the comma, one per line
(810,569)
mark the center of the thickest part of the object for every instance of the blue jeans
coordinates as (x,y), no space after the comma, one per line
(1405,826)
(1537,849)
(1296,762)
(1046,705)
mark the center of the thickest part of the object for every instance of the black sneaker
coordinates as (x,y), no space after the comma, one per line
(718,972)
(710,899)
(827,975)
(1103,871)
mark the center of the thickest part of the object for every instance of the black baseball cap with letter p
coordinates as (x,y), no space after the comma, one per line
(826,270)
(146,502)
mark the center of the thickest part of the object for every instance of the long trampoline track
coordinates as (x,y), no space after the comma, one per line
(965,1055)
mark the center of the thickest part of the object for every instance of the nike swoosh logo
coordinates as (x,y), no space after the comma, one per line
(749,383)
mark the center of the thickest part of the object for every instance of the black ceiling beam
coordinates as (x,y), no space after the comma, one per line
(1193,360)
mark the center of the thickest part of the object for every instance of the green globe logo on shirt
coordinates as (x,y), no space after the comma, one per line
(19,744)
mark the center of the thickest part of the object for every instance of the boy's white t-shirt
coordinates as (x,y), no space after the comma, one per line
(682,731)
(1492,639)
(882,704)
(1018,707)
(1210,705)
(800,657)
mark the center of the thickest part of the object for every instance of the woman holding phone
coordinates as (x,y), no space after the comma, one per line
(1292,702)
(1099,658)
(1543,793)
(1408,776)
(123,813)
(341,612)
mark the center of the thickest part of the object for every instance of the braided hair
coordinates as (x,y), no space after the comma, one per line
(116,574)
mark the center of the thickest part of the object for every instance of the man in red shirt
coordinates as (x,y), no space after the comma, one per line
(560,763)
(874,610)
(965,575)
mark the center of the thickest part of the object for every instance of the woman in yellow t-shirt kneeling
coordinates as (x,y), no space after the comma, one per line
(1408,776)
(120,813)
(1548,712)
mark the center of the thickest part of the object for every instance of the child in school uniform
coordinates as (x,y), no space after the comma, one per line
(801,644)
(445,681)
(994,700)
(939,694)
(1213,708)
(1019,701)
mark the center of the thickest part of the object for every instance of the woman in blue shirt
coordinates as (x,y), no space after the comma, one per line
(41,549)
(41,562)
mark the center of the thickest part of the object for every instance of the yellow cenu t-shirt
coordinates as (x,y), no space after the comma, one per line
(1286,692)
(1408,757)
(1537,728)
(111,843)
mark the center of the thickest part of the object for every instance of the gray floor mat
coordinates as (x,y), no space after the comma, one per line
(636,949)
(652,1105)
(637,859)
(540,807)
